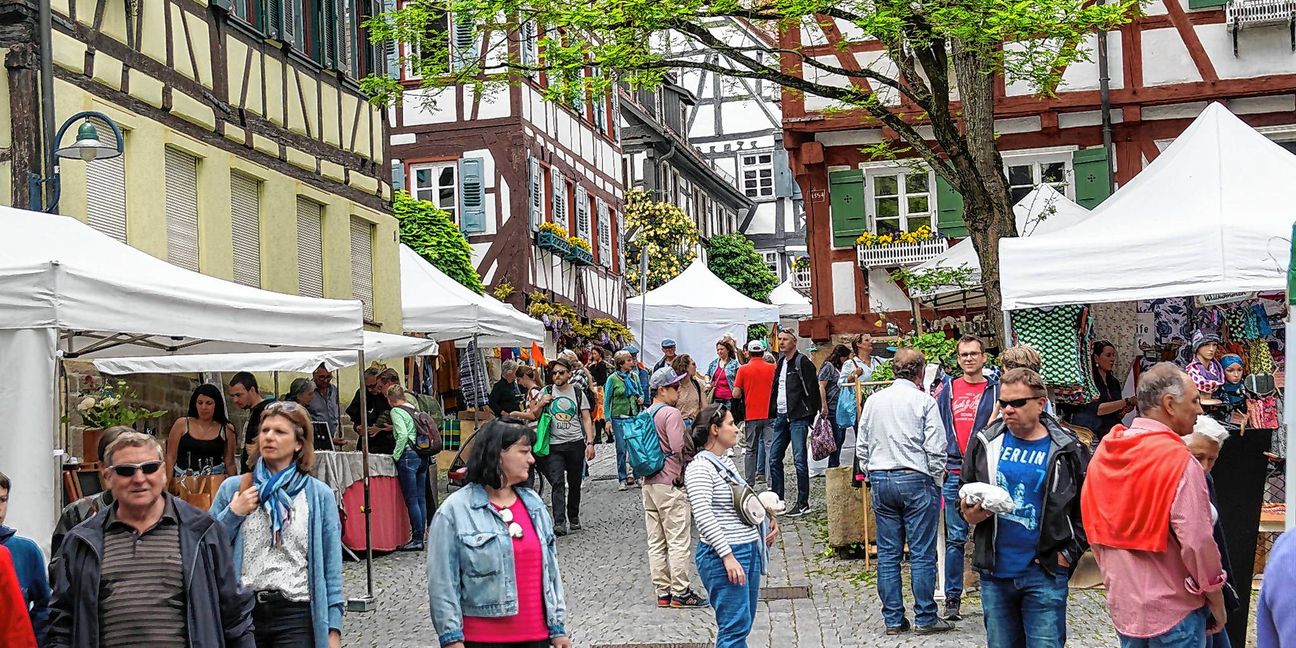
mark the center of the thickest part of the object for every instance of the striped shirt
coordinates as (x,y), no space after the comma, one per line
(711,498)
(141,588)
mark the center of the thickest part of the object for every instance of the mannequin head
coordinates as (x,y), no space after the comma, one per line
(1233,370)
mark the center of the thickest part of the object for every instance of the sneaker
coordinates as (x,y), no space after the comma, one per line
(690,599)
(798,511)
(411,546)
(900,629)
(952,609)
(560,530)
(663,600)
(624,485)
(941,625)
(576,525)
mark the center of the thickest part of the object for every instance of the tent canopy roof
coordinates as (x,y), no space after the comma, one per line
(697,295)
(433,303)
(1212,214)
(377,346)
(790,302)
(110,299)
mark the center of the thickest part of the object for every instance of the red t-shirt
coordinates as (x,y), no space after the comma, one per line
(964,401)
(528,567)
(755,379)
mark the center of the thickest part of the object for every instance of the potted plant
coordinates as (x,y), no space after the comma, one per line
(553,237)
(104,406)
(580,253)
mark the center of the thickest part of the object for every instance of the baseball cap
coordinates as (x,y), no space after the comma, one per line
(668,343)
(756,346)
(664,377)
(632,350)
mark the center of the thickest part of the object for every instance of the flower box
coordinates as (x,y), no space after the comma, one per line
(900,254)
(552,242)
(580,256)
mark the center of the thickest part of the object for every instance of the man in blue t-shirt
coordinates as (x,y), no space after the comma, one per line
(1026,556)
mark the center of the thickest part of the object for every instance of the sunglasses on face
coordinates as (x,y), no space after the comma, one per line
(1016,402)
(128,470)
(719,416)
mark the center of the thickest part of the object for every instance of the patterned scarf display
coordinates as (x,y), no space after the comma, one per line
(277,492)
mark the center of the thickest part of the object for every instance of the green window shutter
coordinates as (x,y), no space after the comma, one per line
(949,210)
(1092,179)
(849,216)
(1206,4)
(472,196)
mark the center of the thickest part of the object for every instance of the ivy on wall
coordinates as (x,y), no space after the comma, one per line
(429,231)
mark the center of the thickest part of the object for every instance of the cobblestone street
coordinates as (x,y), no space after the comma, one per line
(610,600)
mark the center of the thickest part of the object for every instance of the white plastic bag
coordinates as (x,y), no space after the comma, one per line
(992,498)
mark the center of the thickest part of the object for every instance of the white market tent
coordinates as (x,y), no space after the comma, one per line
(695,309)
(433,303)
(67,290)
(791,304)
(1042,211)
(377,346)
(1212,214)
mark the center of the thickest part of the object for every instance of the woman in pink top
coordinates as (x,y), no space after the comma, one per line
(722,371)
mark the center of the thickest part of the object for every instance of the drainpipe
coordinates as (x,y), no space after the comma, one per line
(1104,94)
(47,100)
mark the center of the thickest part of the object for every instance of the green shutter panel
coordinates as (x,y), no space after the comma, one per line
(949,210)
(849,216)
(1206,4)
(1092,176)
(472,196)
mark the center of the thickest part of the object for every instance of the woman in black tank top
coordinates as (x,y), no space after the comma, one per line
(203,440)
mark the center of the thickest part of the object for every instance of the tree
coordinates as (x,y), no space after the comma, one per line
(430,232)
(945,58)
(665,231)
(734,259)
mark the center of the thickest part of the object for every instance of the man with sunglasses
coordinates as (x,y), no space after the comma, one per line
(571,444)
(966,406)
(148,571)
(1026,556)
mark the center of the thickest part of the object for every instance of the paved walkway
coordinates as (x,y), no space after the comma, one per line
(610,599)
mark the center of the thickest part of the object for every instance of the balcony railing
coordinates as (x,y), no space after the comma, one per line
(900,254)
(801,280)
(1241,14)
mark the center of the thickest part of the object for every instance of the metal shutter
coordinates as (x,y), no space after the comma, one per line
(464,45)
(604,235)
(559,187)
(182,209)
(472,195)
(245,225)
(106,196)
(582,213)
(310,248)
(535,193)
(362,264)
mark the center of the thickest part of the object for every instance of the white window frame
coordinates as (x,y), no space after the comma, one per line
(1037,160)
(409,50)
(435,168)
(908,222)
(756,187)
(772,261)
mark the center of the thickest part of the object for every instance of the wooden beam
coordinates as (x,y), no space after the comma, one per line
(1188,33)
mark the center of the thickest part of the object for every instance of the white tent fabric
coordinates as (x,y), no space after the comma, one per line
(791,304)
(377,346)
(1042,211)
(1212,214)
(64,285)
(433,303)
(695,309)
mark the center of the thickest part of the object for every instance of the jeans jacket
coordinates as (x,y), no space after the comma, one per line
(323,563)
(218,609)
(731,370)
(470,563)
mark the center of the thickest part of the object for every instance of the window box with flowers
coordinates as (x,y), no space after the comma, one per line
(900,248)
(553,237)
(801,274)
(580,253)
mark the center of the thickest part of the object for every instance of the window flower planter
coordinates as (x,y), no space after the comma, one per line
(580,256)
(900,254)
(552,242)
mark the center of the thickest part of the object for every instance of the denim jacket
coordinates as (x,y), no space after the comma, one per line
(470,563)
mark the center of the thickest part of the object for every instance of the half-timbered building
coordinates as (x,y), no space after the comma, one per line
(250,153)
(502,161)
(1164,67)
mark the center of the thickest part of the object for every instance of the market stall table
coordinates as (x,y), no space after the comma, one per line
(344,473)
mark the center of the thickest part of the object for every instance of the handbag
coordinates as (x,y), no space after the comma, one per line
(1262,402)
(847,413)
(745,503)
(822,443)
(541,446)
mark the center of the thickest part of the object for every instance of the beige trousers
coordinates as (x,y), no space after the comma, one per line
(667,517)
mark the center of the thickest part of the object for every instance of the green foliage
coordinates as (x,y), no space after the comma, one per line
(665,231)
(734,259)
(758,332)
(108,404)
(503,291)
(935,347)
(430,232)
(924,282)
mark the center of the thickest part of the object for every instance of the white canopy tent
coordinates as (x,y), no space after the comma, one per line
(695,309)
(377,346)
(68,291)
(433,303)
(791,304)
(1212,214)
(1042,211)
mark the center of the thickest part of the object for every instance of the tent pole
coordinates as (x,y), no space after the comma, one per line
(1289,394)
(276,384)
(367,603)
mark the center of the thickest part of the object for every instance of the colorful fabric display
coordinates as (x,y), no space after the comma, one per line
(1259,357)
(1062,335)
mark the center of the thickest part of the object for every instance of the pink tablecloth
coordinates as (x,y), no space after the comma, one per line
(390,520)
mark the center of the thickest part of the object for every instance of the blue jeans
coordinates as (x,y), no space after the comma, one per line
(956,534)
(735,605)
(839,437)
(758,442)
(791,431)
(905,504)
(1025,612)
(621,456)
(1189,633)
(413,473)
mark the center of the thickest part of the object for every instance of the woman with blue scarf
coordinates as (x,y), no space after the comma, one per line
(286,535)
(622,394)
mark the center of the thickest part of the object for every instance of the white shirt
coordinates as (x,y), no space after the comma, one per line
(283,567)
(782,388)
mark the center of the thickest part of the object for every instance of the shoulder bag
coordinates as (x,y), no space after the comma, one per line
(746,505)
(541,446)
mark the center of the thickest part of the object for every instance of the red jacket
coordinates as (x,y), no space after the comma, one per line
(15,625)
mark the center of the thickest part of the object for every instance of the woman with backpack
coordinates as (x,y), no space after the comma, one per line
(411,468)
(286,536)
(731,554)
(621,396)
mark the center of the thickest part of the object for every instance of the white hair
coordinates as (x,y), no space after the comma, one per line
(1208,428)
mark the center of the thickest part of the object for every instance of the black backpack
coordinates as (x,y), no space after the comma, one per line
(427,435)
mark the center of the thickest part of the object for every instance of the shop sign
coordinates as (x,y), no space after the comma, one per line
(1145,331)
(1218,299)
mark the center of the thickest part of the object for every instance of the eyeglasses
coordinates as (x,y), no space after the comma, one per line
(1016,402)
(560,372)
(284,406)
(128,470)
(971,354)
